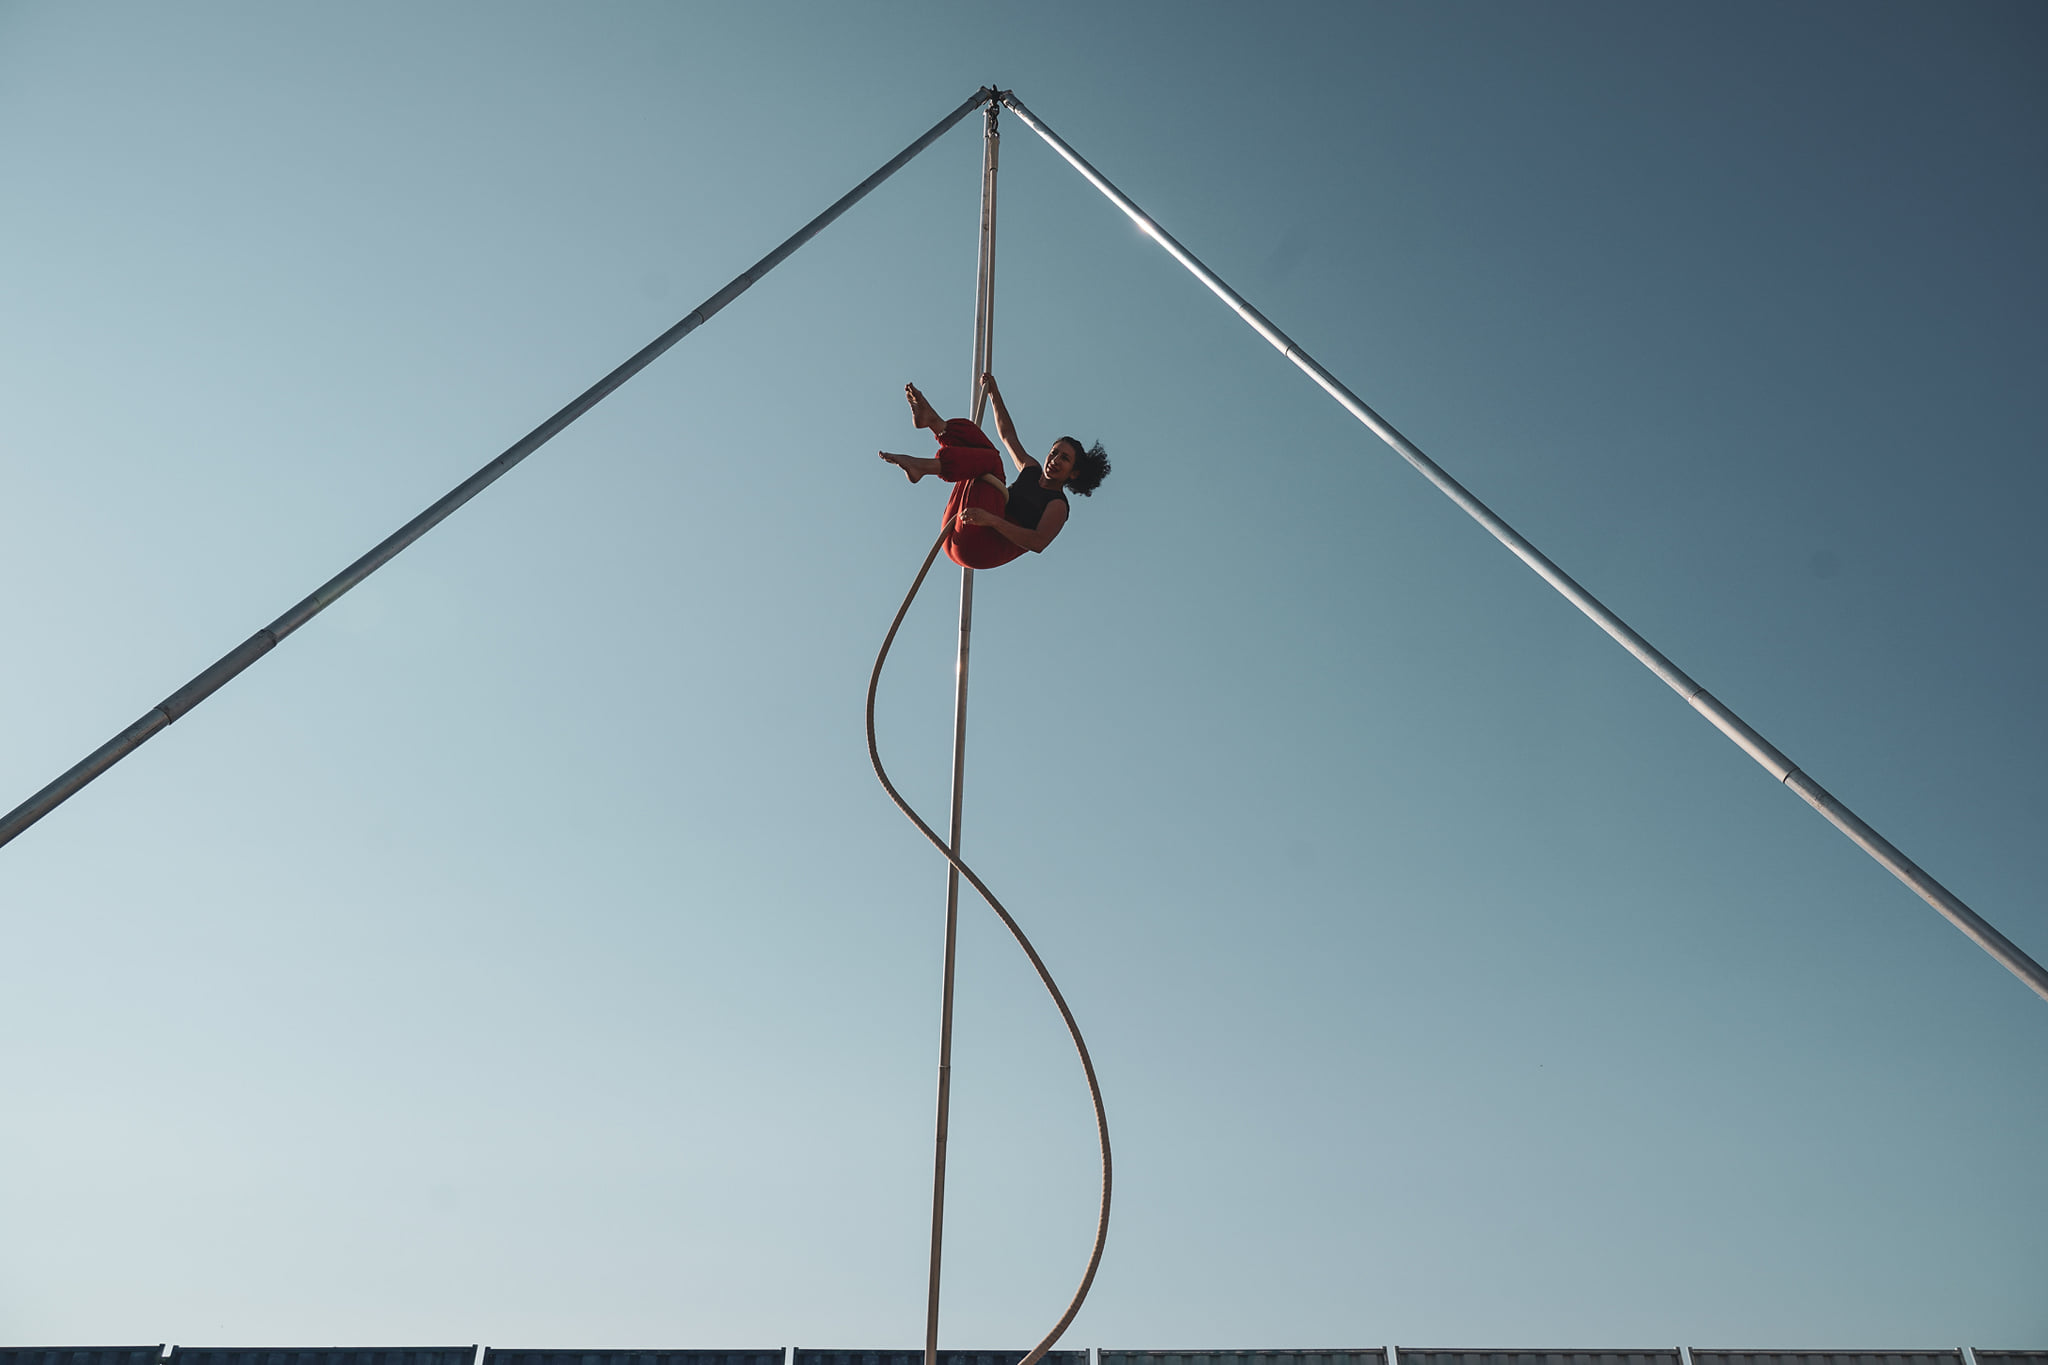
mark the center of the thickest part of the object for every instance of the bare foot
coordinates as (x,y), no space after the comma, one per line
(921,412)
(907,463)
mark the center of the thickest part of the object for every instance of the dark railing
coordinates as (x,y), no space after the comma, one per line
(803,1355)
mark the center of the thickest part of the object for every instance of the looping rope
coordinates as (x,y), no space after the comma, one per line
(1038,964)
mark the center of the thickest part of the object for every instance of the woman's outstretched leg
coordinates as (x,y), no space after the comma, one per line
(969,461)
(964,451)
(922,414)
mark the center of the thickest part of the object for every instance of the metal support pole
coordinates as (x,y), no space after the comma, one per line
(984,345)
(1720,717)
(263,641)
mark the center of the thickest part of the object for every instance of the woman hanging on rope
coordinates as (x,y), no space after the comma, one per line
(988,524)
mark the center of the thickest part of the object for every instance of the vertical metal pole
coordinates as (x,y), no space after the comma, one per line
(984,338)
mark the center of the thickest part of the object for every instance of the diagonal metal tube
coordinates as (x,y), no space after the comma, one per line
(1720,717)
(263,641)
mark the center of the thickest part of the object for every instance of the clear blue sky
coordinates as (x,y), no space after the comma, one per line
(523,952)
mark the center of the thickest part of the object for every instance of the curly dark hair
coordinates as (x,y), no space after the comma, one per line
(1091,467)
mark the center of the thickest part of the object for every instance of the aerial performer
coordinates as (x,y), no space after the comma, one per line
(989,523)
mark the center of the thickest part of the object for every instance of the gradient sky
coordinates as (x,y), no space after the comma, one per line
(523,952)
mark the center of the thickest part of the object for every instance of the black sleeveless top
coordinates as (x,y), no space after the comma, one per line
(1029,498)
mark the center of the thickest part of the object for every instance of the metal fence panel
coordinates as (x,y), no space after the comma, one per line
(496,1356)
(1373,1355)
(2010,1357)
(80,1355)
(322,1355)
(1412,1355)
(1949,1357)
(810,1356)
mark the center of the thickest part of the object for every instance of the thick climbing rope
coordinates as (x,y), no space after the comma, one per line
(1037,963)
